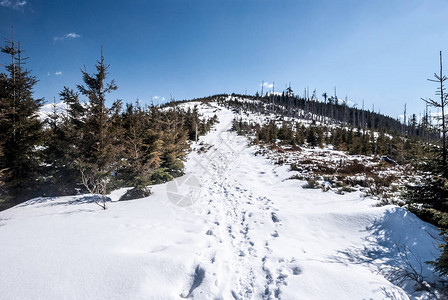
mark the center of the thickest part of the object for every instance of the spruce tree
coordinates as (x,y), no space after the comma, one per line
(93,128)
(175,142)
(20,127)
(429,198)
(141,151)
(59,175)
(311,137)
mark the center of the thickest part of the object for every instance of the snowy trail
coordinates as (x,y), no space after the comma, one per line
(255,255)
(233,227)
(241,223)
(245,220)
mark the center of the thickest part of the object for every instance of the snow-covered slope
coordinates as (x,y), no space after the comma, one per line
(232,228)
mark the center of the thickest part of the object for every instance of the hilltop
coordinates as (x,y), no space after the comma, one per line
(239,224)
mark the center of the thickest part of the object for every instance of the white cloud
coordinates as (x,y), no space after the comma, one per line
(58,73)
(72,35)
(267,85)
(67,36)
(6,3)
(20,4)
(16,5)
(158,98)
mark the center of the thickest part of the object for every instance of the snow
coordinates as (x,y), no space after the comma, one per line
(233,227)
(47,109)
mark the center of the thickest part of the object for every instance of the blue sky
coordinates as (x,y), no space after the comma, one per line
(379,51)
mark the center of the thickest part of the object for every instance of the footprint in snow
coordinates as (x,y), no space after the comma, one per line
(198,277)
(296,270)
(235,296)
(274,218)
(294,267)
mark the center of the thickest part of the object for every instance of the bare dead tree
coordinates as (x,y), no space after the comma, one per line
(96,186)
(325,107)
(440,79)
(409,267)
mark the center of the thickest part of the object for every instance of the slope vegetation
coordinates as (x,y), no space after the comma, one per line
(233,227)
